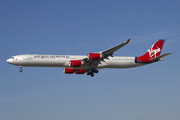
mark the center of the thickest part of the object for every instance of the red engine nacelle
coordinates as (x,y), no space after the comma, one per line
(75,63)
(80,71)
(69,70)
(94,56)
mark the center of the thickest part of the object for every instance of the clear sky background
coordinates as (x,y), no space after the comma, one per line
(77,27)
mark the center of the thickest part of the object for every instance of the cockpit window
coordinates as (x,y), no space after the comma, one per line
(12,57)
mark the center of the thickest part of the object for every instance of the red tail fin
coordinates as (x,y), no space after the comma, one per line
(153,52)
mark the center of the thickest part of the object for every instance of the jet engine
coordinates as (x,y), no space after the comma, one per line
(68,71)
(71,71)
(94,56)
(80,71)
(75,63)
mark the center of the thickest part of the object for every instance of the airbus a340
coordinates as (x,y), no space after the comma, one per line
(92,62)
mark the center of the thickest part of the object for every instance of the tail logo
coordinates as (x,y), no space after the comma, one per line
(153,52)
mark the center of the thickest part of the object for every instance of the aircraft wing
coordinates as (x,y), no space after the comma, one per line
(104,54)
(110,51)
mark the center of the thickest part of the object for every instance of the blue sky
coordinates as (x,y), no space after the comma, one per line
(78,27)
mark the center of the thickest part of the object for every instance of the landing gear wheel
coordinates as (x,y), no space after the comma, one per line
(92,75)
(96,71)
(88,73)
(20,68)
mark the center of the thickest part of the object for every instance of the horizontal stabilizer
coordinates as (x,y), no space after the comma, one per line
(160,57)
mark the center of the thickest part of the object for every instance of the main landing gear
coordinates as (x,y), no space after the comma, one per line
(92,71)
(20,68)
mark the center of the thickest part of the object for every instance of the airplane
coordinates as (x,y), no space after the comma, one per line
(75,64)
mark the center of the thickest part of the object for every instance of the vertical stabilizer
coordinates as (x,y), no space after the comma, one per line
(153,52)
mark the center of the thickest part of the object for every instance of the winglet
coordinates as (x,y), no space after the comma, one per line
(127,41)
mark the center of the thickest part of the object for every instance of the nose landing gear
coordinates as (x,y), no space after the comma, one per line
(20,68)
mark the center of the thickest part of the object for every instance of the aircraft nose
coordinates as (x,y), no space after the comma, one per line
(8,60)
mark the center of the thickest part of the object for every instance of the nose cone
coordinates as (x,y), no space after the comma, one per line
(9,60)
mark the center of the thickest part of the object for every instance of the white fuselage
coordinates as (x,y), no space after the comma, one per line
(75,64)
(63,61)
